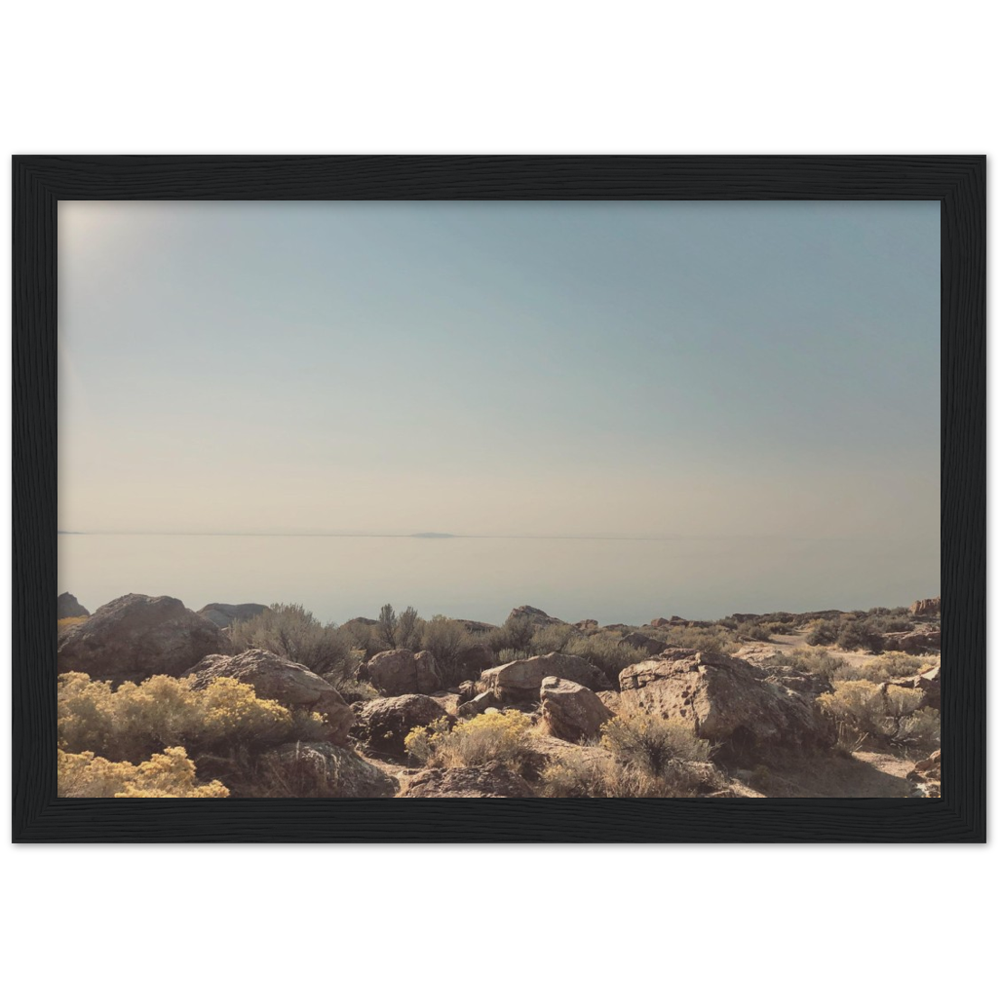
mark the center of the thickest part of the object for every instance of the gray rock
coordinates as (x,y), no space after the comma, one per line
(521,680)
(290,684)
(639,641)
(320,770)
(225,614)
(67,606)
(726,701)
(491,781)
(571,711)
(400,671)
(135,636)
(384,723)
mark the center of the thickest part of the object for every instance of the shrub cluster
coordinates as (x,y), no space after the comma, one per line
(648,757)
(137,720)
(290,631)
(167,775)
(606,653)
(447,640)
(493,736)
(516,633)
(886,712)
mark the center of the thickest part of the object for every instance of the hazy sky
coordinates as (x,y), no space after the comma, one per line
(608,368)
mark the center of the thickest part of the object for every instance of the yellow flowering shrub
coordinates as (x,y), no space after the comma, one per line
(167,775)
(136,720)
(493,736)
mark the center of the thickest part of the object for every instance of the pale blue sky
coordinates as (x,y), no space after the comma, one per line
(611,368)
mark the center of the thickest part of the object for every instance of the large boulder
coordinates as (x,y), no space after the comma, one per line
(401,671)
(766,657)
(920,640)
(536,616)
(928,682)
(521,680)
(646,643)
(571,711)
(474,627)
(726,700)
(67,606)
(928,608)
(225,614)
(290,684)
(384,723)
(319,770)
(490,781)
(474,660)
(135,636)
(477,705)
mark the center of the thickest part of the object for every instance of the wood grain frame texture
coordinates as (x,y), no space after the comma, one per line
(957,182)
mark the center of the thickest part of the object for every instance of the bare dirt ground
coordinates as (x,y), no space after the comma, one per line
(857,775)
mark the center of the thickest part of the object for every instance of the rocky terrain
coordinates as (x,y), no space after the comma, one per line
(256,701)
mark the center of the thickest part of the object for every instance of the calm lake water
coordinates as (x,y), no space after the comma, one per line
(483,578)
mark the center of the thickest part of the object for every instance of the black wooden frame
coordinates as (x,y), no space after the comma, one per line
(957,182)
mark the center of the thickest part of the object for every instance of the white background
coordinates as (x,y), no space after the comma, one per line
(539,71)
(496,928)
(434,77)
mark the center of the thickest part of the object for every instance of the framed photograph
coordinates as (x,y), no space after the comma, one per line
(499,498)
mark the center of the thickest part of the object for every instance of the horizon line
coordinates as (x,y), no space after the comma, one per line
(436,536)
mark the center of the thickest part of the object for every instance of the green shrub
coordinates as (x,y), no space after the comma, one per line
(408,629)
(921,729)
(446,639)
(138,720)
(884,712)
(895,664)
(705,638)
(393,631)
(493,736)
(578,775)
(606,653)
(510,655)
(823,633)
(552,639)
(888,622)
(755,632)
(515,633)
(887,667)
(292,632)
(360,636)
(169,775)
(652,744)
(820,662)
(385,627)
(859,635)
(649,757)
